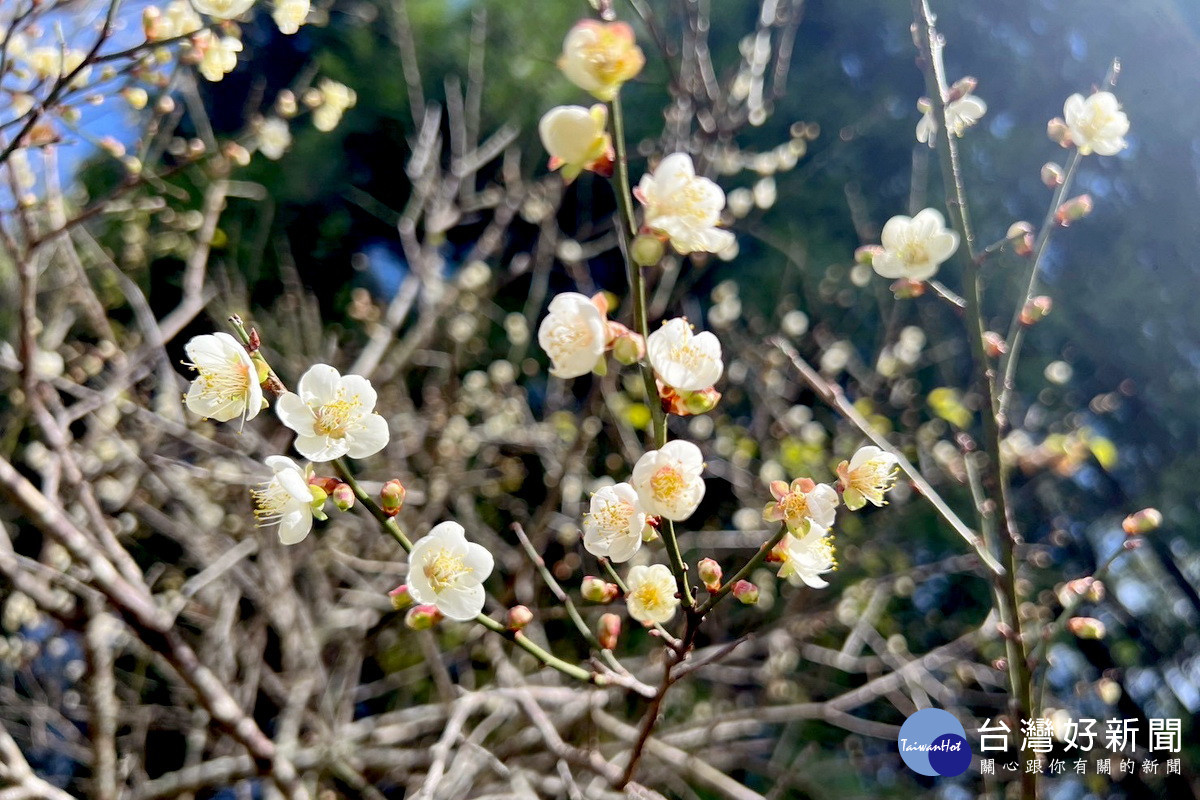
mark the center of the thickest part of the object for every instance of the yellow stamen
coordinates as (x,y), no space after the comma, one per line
(445,569)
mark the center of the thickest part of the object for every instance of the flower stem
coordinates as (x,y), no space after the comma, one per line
(626,229)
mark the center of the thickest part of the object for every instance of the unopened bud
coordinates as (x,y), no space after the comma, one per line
(136,97)
(1020,234)
(608,630)
(924,105)
(1089,589)
(1086,627)
(422,618)
(1144,521)
(746,592)
(164,105)
(650,532)
(518,617)
(401,598)
(994,344)
(647,250)
(1052,175)
(906,288)
(961,88)
(710,574)
(112,146)
(392,494)
(628,347)
(1074,210)
(866,254)
(285,104)
(1036,310)
(151,22)
(1058,132)
(343,497)
(701,402)
(598,590)
(236,153)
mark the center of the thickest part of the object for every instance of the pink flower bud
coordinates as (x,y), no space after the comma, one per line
(343,497)
(608,630)
(1058,132)
(628,347)
(422,618)
(701,402)
(1086,627)
(905,289)
(1074,210)
(1144,521)
(1036,310)
(710,574)
(961,88)
(865,255)
(1020,234)
(746,592)
(994,344)
(518,617)
(401,598)
(392,495)
(1052,175)
(597,590)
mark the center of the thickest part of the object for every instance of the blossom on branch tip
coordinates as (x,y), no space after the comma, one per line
(333,415)
(219,54)
(287,499)
(914,247)
(683,206)
(573,334)
(223,9)
(447,571)
(273,138)
(803,559)
(683,360)
(960,115)
(227,383)
(803,503)
(613,526)
(600,57)
(866,477)
(334,99)
(1096,123)
(668,481)
(289,15)
(651,594)
(577,139)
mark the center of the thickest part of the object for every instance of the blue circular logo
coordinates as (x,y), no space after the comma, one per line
(932,742)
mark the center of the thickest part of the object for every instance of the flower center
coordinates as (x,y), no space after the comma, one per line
(651,597)
(605,57)
(613,516)
(228,381)
(873,479)
(333,419)
(271,500)
(794,505)
(688,355)
(667,484)
(566,338)
(913,253)
(688,204)
(445,569)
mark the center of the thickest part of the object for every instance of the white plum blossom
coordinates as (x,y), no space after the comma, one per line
(651,594)
(599,57)
(273,138)
(802,504)
(960,115)
(223,9)
(336,98)
(914,247)
(683,206)
(867,477)
(614,524)
(220,55)
(178,19)
(1097,123)
(447,571)
(332,415)
(685,361)
(289,15)
(573,334)
(286,499)
(227,384)
(668,480)
(805,558)
(577,139)
(52,63)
